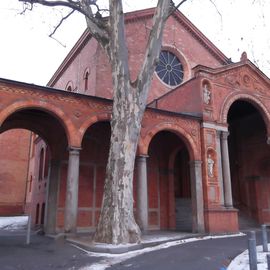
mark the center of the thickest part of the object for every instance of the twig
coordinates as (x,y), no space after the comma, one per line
(26,7)
(214,4)
(61,21)
(63,45)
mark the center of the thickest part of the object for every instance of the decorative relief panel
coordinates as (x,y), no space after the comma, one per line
(191,124)
(243,79)
(189,128)
(58,97)
(211,164)
(206,93)
(208,113)
(210,138)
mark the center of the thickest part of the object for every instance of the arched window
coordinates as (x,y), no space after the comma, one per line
(30,183)
(41,165)
(69,86)
(42,213)
(37,214)
(86,81)
(46,167)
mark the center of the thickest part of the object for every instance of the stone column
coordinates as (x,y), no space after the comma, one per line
(226,170)
(220,171)
(52,196)
(71,206)
(142,195)
(197,196)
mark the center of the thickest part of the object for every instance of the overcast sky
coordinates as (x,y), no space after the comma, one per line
(28,54)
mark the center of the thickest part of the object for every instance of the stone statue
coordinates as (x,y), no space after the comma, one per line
(210,166)
(206,94)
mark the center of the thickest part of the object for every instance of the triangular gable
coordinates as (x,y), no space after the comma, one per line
(187,24)
(137,16)
(242,75)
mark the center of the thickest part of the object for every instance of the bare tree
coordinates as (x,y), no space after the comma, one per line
(116,223)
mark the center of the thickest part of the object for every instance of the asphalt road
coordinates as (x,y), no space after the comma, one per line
(43,253)
(214,254)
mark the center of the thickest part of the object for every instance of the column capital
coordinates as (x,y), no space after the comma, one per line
(218,132)
(142,156)
(224,135)
(74,150)
(195,163)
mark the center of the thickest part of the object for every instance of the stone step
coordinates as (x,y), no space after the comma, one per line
(183,214)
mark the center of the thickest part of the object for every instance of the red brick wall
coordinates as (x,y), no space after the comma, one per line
(14,145)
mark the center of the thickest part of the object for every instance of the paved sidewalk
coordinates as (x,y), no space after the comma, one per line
(149,239)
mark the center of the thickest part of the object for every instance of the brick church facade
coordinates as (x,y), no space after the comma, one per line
(203,159)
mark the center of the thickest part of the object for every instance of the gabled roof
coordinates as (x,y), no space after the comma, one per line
(200,69)
(137,16)
(243,74)
(85,37)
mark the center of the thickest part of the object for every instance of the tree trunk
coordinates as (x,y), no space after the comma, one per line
(116,223)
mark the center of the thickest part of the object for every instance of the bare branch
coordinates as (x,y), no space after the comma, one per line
(26,7)
(117,38)
(96,26)
(61,21)
(153,49)
(63,45)
(214,4)
(69,4)
(175,7)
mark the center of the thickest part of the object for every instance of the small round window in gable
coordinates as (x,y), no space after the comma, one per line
(169,69)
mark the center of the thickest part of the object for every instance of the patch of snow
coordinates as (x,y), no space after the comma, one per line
(112,259)
(241,262)
(13,223)
(103,245)
(150,238)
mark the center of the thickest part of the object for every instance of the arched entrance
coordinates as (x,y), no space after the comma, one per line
(169,185)
(46,141)
(249,163)
(93,161)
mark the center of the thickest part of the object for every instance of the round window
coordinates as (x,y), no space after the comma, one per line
(169,68)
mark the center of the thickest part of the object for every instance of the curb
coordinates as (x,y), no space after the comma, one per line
(92,247)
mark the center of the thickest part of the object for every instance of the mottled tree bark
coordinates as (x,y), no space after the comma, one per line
(117,224)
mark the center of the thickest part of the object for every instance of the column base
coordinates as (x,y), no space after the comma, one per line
(221,220)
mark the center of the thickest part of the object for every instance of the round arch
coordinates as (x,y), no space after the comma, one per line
(46,107)
(143,146)
(250,99)
(102,117)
